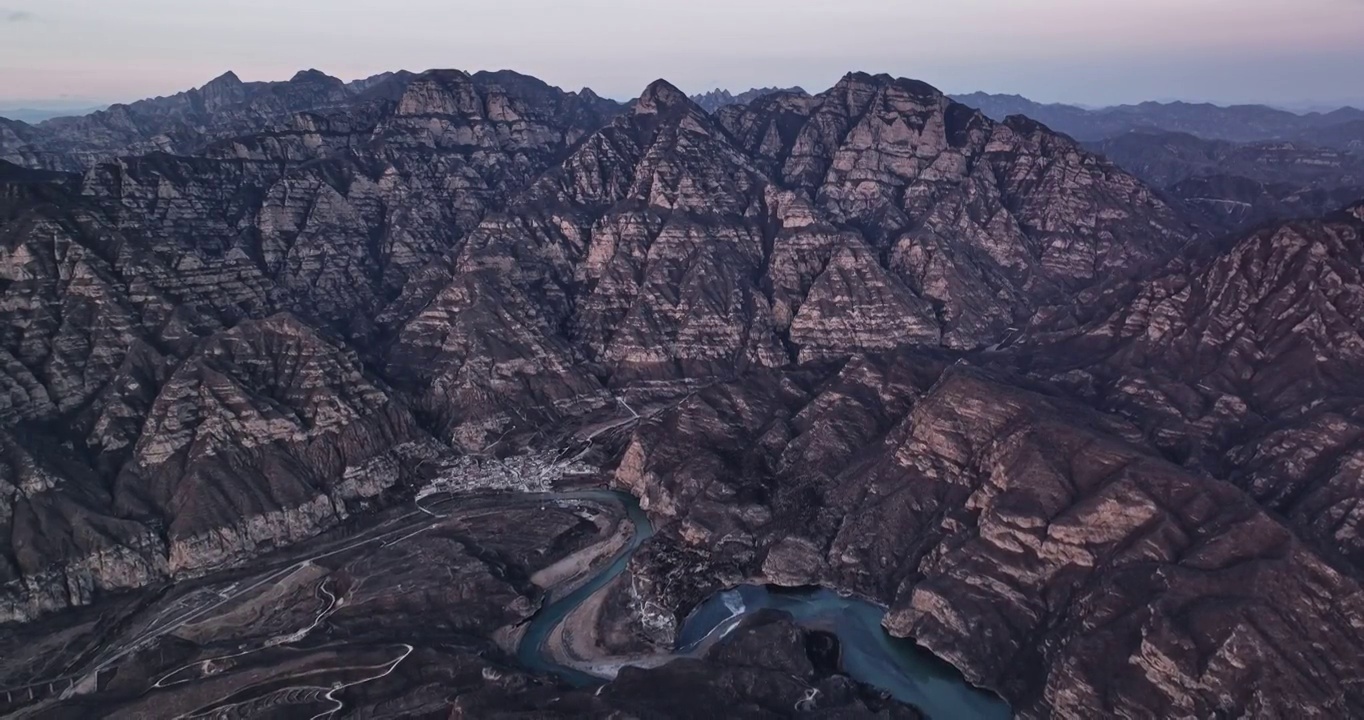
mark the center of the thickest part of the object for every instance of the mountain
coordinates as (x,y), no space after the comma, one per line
(313,405)
(1233,167)
(1236,123)
(113,285)
(1347,135)
(226,108)
(718,98)
(1232,203)
(1165,158)
(15,133)
(666,247)
(1239,185)
(1038,545)
(177,123)
(1241,358)
(39,114)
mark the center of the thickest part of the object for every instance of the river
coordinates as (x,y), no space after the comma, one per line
(896,666)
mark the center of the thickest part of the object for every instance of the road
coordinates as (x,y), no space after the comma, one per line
(390,532)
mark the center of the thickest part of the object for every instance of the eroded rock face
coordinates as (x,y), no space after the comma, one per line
(674,245)
(382,190)
(1026,539)
(248,441)
(868,339)
(63,543)
(982,220)
(112,281)
(1243,359)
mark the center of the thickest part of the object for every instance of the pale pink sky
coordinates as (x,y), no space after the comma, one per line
(1095,51)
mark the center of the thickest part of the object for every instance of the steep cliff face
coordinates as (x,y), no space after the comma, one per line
(253,442)
(982,220)
(1014,532)
(85,329)
(116,284)
(62,543)
(264,435)
(330,217)
(675,245)
(132,421)
(637,253)
(666,246)
(82,306)
(1243,358)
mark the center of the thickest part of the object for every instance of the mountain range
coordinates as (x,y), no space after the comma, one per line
(39,112)
(1230,167)
(1092,443)
(1237,123)
(716,99)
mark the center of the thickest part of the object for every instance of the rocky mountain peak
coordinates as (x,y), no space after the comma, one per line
(380,80)
(444,75)
(439,92)
(862,82)
(661,96)
(313,75)
(227,79)
(220,92)
(859,77)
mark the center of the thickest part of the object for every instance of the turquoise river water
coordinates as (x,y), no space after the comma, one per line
(867,653)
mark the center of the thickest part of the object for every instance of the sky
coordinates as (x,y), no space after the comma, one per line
(1093,52)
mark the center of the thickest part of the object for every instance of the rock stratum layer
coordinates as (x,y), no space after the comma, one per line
(869,339)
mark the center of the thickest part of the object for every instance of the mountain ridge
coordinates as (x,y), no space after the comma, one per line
(1099,458)
(1238,123)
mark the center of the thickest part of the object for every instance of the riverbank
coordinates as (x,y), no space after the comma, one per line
(564,637)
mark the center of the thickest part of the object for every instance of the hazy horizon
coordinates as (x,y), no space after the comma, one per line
(1073,51)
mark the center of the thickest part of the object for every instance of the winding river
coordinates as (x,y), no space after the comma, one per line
(899,667)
